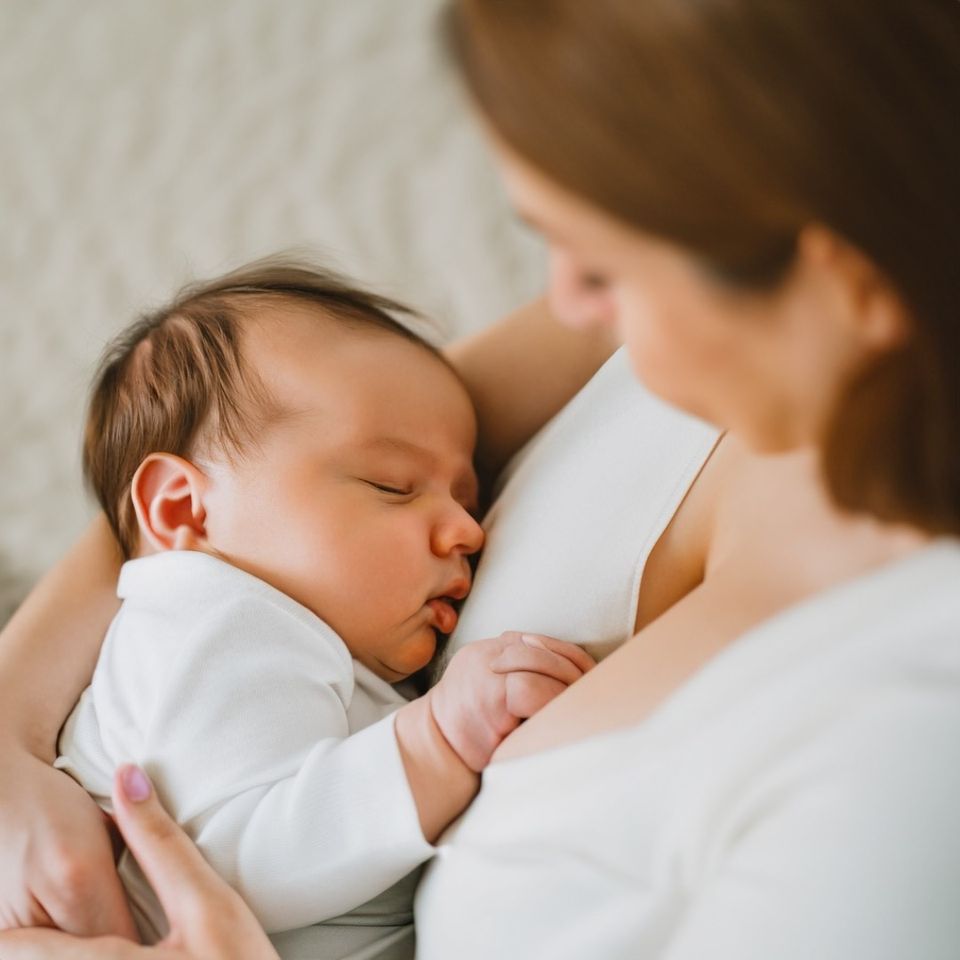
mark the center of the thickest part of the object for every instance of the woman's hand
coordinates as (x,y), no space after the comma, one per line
(207,918)
(58,862)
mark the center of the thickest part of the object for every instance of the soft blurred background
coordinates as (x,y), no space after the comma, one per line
(147,142)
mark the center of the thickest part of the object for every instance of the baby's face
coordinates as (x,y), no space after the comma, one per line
(360,503)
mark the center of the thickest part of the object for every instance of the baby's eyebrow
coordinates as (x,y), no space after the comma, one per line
(400,446)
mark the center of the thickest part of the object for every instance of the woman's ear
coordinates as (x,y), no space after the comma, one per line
(167,494)
(875,312)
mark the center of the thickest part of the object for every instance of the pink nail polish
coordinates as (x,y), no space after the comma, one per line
(136,786)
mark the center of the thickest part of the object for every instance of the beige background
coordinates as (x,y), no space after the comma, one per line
(145,142)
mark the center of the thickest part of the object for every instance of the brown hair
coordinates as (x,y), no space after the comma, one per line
(176,380)
(726,126)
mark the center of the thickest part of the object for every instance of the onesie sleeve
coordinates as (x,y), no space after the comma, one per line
(251,752)
(851,850)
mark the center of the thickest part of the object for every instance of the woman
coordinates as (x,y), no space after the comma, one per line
(761,200)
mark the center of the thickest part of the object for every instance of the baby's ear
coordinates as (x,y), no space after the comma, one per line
(167,494)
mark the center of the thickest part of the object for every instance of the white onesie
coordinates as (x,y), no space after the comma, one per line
(268,743)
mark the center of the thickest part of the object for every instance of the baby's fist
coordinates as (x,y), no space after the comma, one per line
(491,685)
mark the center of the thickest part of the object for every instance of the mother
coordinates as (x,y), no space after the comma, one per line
(761,199)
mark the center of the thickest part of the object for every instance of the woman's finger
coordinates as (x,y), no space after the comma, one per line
(58,867)
(42,944)
(207,918)
(171,863)
(85,896)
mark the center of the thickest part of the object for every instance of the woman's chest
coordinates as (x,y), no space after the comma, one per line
(769,554)
(645,672)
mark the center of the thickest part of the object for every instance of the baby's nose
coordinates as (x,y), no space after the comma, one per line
(461,531)
(475,535)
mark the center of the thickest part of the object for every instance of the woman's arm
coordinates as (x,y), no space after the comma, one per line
(49,648)
(521,371)
(847,846)
(56,859)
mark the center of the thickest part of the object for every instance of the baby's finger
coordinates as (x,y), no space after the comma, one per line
(527,693)
(535,658)
(572,651)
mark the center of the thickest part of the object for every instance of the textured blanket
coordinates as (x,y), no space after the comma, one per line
(147,143)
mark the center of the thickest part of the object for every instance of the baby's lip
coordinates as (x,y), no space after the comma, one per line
(455,590)
(444,616)
(441,604)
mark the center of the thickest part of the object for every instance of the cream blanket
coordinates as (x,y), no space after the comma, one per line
(145,143)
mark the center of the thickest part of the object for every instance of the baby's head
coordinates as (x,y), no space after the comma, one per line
(283,420)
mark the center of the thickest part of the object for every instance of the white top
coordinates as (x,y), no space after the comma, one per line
(581,507)
(798,798)
(267,742)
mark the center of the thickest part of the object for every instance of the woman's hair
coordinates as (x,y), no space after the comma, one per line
(726,126)
(177,380)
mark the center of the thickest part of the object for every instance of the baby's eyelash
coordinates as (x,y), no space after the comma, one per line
(386,488)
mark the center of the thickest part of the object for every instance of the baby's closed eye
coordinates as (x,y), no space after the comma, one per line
(399,490)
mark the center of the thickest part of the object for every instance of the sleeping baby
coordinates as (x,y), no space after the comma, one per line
(288,471)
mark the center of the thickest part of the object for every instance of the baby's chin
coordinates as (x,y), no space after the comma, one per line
(407,657)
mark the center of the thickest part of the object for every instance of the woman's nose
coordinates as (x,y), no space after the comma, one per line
(459,531)
(576,298)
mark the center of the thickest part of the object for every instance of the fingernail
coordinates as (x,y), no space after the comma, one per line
(136,785)
(532,641)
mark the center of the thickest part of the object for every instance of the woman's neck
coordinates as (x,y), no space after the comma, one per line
(775,512)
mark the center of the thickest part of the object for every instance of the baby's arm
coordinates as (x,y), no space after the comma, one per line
(246,736)
(249,746)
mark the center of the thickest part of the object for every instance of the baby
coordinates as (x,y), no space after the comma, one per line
(288,470)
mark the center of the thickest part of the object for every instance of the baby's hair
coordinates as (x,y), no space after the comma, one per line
(176,380)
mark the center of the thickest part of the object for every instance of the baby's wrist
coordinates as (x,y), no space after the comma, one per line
(470,733)
(422,737)
(437,730)
(430,762)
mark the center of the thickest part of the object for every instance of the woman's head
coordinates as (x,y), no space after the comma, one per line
(763,196)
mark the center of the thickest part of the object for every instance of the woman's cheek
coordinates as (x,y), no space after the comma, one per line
(651,356)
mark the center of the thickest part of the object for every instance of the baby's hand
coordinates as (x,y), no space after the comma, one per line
(491,685)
